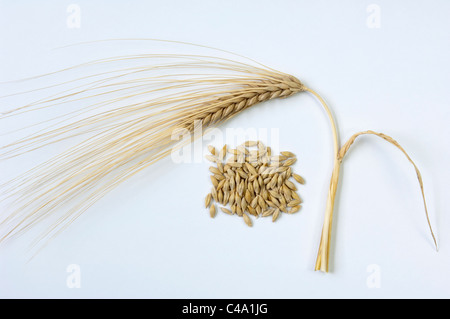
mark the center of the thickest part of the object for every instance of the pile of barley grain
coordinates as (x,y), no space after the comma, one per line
(250,180)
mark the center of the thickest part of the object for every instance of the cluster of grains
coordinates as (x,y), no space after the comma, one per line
(249,180)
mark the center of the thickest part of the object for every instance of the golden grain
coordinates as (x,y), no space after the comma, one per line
(212,210)
(290,162)
(294,209)
(268,212)
(214,193)
(226,211)
(212,150)
(219,177)
(214,181)
(275,215)
(298,178)
(211,158)
(208,200)
(251,210)
(290,185)
(287,154)
(247,220)
(294,203)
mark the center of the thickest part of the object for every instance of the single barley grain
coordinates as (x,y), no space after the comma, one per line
(294,209)
(212,210)
(247,220)
(208,200)
(275,215)
(298,178)
(226,211)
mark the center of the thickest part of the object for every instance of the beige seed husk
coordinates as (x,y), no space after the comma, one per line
(294,203)
(226,197)
(248,196)
(243,204)
(254,202)
(226,211)
(270,203)
(289,172)
(212,210)
(208,200)
(242,149)
(250,188)
(250,143)
(290,162)
(215,170)
(261,202)
(220,185)
(282,169)
(268,212)
(264,194)
(231,200)
(282,201)
(251,210)
(275,215)
(251,169)
(247,220)
(238,210)
(287,196)
(212,150)
(226,185)
(219,177)
(256,186)
(274,193)
(211,158)
(214,181)
(242,173)
(223,152)
(280,181)
(298,178)
(294,209)
(291,185)
(241,188)
(275,201)
(287,154)
(232,183)
(214,193)
(220,196)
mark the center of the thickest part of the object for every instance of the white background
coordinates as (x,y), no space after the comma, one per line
(138,242)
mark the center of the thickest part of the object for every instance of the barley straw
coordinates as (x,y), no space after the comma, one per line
(322,261)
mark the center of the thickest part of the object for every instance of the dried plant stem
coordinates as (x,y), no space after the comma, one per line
(322,260)
(389,139)
(324,247)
